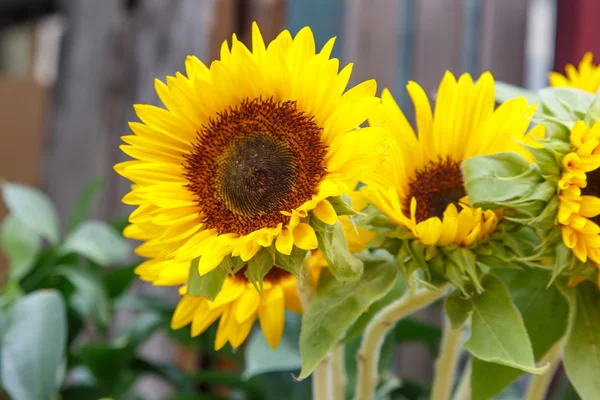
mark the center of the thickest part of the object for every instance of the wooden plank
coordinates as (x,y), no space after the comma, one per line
(502,46)
(269,15)
(370,40)
(577,31)
(325,17)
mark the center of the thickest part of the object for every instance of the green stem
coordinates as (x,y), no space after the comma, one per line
(377,329)
(463,390)
(340,379)
(538,384)
(445,366)
(322,376)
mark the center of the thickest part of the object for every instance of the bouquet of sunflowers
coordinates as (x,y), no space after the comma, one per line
(266,185)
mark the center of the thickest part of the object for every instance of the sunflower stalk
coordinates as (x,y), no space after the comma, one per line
(445,366)
(322,376)
(370,348)
(539,384)
(340,379)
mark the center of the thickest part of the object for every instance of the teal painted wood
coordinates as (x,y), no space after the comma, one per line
(471,36)
(325,18)
(405,72)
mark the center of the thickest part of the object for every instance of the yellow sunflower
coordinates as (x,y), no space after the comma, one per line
(585,77)
(579,194)
(421,184)
(245,150)
(238,304)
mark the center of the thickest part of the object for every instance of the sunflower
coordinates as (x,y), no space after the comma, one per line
(421,187)
(237,305)
(579,194)
(244,151)
(585,77)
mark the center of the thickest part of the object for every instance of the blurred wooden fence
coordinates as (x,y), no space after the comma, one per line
(113,49)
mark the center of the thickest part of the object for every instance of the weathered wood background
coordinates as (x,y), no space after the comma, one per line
(112,50)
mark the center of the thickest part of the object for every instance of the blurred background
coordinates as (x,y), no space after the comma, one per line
(70,71)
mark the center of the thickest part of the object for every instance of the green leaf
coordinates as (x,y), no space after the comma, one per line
(544,311)
(336,306)
(90,297)
(81,210)
(259,266)
(208,285)
(458,309)
(566,103)
(33,346)
(498,178)
(582,349)
(506,91)
(97,241)
(498,333)
(138,302)
(593,114)
(291,263)
(333,245)
(21,245)
(466,260)
(118,279)
(342,205)
(260,358)
(106,362)
(33,208)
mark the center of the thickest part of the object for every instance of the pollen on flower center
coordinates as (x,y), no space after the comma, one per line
(252,162)
(435,187)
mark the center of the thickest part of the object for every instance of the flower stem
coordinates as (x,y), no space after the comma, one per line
(322,376)
(380,325)
(340,379)
(445,366)
(463,390)
(538,384)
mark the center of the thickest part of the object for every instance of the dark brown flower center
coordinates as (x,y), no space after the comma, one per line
(436,186)
(254,161)
(274,275)
(592,189)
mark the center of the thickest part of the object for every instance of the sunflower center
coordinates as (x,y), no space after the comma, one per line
(252,162)
(274,275)
(593,189)
(435,187)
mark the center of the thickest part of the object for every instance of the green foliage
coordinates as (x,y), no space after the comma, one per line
(458,309)
(506,91)
(565,104)
(332,243)
(208,285)
(259,266)
(81,210)
(544,311)
(33,346)
(582,348)
(33,208)
(498,332)
(336,306)
(97,241)
(20,244)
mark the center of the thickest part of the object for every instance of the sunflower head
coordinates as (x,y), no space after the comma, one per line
(558,195)
(421,189)
(248,156)
(586,76)
(238,305)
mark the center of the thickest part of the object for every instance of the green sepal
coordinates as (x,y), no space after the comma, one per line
(582,346)
(376,221)
(493,181)
(458,309)
(208,285)
(232,264)
(498,332)
(568,104)
(334,247)
(466,260)
(259,265)
(548,160)
(336,306)
(342,205)
(593,114)
(291,263)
